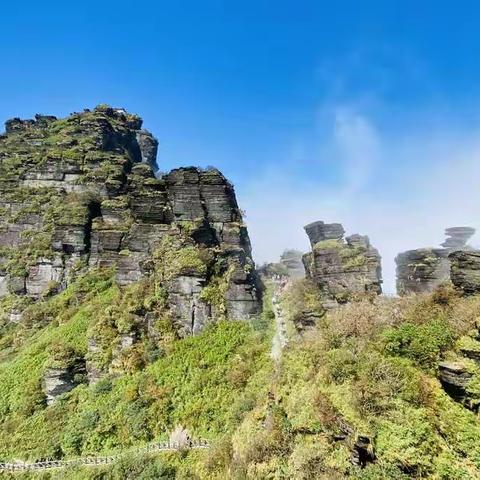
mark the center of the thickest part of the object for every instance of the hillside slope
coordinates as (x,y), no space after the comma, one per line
(129,305)
(358,396)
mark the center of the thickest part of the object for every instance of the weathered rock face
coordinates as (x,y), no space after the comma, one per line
(64,370)
(58,381)
(424,269)
(320,231)
(341,268)
(148,148)
(465,270)
(81,192)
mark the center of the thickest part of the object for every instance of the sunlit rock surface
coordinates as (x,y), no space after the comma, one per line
(81,192)
(341,267)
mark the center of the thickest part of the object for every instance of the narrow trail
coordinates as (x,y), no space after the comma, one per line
(279,339)
(105,460)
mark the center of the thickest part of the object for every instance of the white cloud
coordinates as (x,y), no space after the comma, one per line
(401,189)
(358,147)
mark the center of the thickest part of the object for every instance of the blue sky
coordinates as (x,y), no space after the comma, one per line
(361,112)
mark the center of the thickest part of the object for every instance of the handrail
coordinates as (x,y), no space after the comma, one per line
(102,460)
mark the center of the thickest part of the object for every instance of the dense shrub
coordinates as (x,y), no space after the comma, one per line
(365,369)
(422,343)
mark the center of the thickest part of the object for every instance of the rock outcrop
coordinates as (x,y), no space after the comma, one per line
(64,370)
(292,261)
(341,267)
(458,373)
(81,193)
(422,270)
(289,265)
(457,237)
(362,452)
(455,378)
(58,381)
(465,270)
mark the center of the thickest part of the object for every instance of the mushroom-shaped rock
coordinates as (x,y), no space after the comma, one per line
(341,267)
(320,231)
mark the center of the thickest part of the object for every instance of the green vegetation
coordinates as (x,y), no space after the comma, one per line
(302,299)
(366,369)
(206,382)
(370,366)
(174,258)
(215,291)
(352,256)
(330,244)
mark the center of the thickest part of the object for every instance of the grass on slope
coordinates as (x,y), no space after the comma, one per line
(205,383)
(368,369)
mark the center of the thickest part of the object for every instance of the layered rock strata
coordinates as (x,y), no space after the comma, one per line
(455,379)
(457,237)
(81,192)
(465,270)
(289,265)
(458,374)
(341,267)
(422,270)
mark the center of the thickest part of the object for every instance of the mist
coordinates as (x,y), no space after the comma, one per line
(401,187)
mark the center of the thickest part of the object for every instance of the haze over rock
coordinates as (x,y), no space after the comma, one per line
(424,269)
(292,260)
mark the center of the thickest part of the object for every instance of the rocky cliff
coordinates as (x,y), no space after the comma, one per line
(465,270)
(341,267)
(81,192)
(424,269)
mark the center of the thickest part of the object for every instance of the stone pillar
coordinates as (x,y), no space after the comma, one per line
(341,267)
